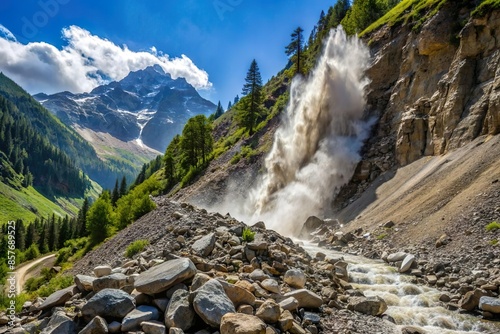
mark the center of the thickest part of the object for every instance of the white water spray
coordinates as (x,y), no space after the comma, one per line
(316,149)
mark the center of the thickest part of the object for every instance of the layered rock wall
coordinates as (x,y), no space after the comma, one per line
(433,90)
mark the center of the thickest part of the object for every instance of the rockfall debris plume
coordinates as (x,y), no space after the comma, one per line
(316,149)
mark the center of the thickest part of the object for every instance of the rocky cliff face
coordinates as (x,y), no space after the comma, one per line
(434,90)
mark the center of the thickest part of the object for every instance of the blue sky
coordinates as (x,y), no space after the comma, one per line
(221,37)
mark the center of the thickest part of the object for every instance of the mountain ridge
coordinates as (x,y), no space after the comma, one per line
(146,109)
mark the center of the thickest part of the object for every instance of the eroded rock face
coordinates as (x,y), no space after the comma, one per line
(434,90)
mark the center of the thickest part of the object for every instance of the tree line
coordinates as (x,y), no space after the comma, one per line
(34,158)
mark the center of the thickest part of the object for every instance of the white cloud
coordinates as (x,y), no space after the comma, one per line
(84,63)
(5,33)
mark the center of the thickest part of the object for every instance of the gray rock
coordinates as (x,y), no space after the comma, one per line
(312,223)
(115,327)
(132,321)
(407,262)
(165,275)
(153,327)
(270,285)
(179,312)
(258,275)
(211,303)
(305,298)
(289,304)
(59,324)
(113,281)
(84,283)
(100,271)
(367,305)
(204,246)
(111,303)
(58,298)
(96,326)
(295,278)
(489,304)
(395,257)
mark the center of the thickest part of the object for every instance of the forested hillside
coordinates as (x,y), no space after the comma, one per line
(68,141)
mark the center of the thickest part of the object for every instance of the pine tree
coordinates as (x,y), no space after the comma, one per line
(81,220)
(64,233)
(229,105)
(20,235)
(43,244)
(219,111)
(252,89)
(236,99)
(31,235)
(115,194)
(123,187)
(295,48)
(52,236)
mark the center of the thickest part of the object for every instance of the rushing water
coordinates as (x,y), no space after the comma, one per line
(409,304)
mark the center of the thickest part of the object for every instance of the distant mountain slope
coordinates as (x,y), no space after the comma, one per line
(64,138)
(142,112)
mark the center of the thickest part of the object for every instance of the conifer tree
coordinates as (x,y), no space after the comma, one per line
(43,244)
(81,220)
(219,111)
(252,89)
(64,233)
(115,195)
(229,105)
(52,234)
(295,48)
(20,235)
(123,187)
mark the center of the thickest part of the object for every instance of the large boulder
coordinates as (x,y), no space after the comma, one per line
(132,321)
(471,299)
(101,271)
(295,278)
(165,275)
(305,298)
(113,281)
(204,246)
(179,312)
(238,295)
(59,324)
(211,303)
(395,257)
(311,224)
(238,323)
(58,298)
(407,263)
(489,304)
(110,303)
(96,326)
(367,305)
(84,283)
(269,311)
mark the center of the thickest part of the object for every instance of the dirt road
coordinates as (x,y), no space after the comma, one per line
(22,272)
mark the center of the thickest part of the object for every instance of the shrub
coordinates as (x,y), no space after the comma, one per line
(248,235)
(136,247)
(31,253)
(492,226)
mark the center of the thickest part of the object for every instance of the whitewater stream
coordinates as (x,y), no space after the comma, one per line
(409,304)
